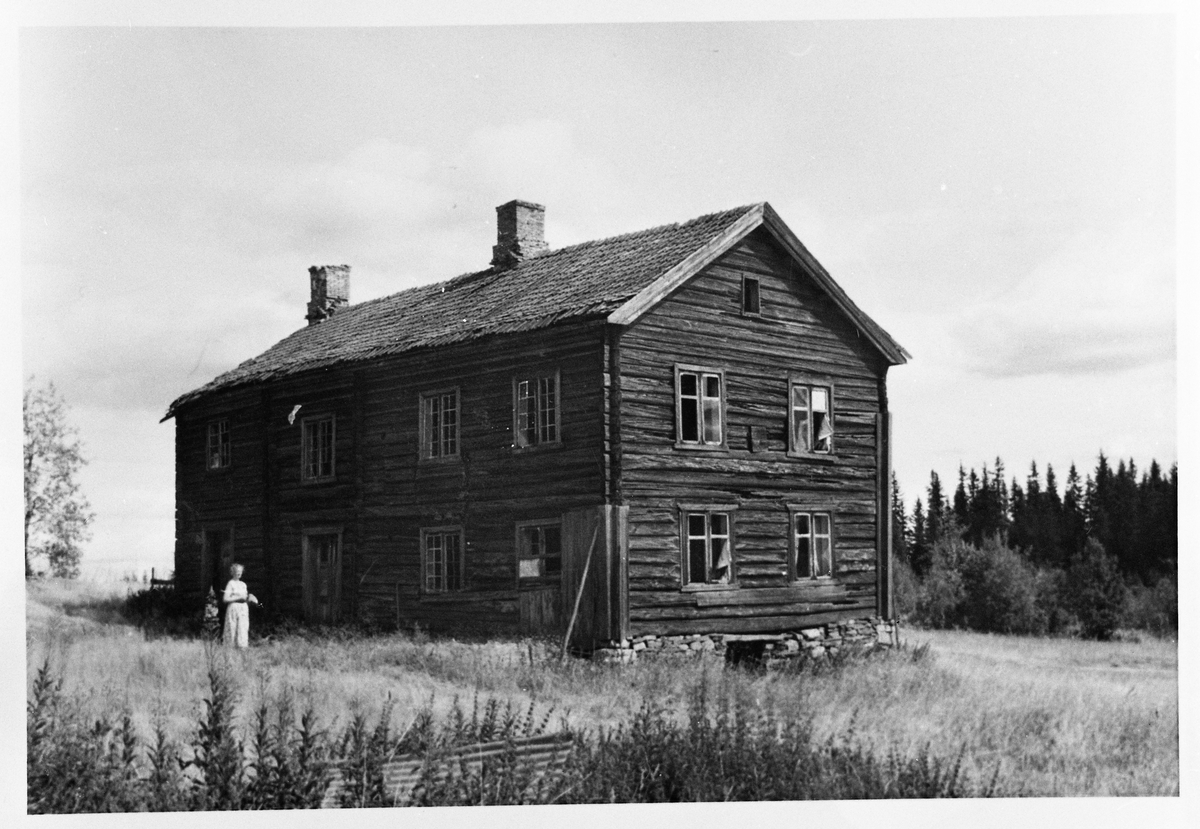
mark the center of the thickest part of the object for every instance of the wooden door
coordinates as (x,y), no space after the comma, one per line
(539,577)
(322,576)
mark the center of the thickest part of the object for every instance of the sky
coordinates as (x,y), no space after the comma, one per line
(998,193)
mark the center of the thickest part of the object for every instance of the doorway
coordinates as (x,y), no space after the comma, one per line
(322,575)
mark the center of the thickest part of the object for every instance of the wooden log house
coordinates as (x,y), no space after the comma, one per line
(676,431)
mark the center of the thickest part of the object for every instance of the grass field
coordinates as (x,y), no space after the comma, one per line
(1045,716)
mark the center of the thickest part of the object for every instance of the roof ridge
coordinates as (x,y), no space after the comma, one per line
(472,276)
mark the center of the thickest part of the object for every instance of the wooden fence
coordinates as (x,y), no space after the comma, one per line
(536,757)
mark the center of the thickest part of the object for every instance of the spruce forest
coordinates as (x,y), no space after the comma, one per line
(1092,558)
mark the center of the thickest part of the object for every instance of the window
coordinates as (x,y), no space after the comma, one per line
(218,444)
(751,297)
(811,418)
(317,451)
(707,547)
(439,424)
(442,559)
(700,407)
(536,411)
(812,544)
(539,551)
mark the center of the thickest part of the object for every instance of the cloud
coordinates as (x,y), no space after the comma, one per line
(1102,302)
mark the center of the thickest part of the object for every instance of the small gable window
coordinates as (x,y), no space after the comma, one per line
(751,297)
(812,544)
(810,418)
(317,448)
(219,449)
(700,407)
(439,424)
(536,411)
(442,559)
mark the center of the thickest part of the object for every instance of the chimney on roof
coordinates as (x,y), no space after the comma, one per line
(520,233)
(330,290)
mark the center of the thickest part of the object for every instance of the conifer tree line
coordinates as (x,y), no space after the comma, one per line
(1134,519)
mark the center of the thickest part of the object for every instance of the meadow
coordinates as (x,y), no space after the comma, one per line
(1013,716)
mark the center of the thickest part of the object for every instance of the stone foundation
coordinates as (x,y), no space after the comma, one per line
(809,643)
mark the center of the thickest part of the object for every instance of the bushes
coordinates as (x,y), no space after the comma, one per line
(992,588)
(163,611)
(1094,592)
(1154,608)
(988,588)
(727,748)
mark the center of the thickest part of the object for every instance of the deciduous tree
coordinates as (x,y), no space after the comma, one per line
(57,514)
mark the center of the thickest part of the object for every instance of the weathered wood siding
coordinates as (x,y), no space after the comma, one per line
(799,331)
(383,494)
(221,499)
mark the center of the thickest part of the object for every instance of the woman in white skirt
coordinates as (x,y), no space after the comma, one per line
(237,614)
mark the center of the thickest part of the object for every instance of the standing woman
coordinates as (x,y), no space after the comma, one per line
(237,614)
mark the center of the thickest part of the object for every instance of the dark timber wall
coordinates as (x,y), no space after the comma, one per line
(799,331)
(382,495)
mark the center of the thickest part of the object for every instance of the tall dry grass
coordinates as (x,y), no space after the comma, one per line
(1046,716)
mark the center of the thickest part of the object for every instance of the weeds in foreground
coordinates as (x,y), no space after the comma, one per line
(729,748)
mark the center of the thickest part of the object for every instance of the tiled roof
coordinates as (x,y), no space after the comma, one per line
(590,279)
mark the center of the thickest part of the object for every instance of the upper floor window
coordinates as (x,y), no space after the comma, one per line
(536,410)
(439,424)
(219,452)
(751,296)
(317,447)
(810,418)
(539,550)
(812,544)
(699,407)
(707,546)
(442,559)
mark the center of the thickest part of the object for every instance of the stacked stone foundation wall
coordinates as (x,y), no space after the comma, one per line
(811,643)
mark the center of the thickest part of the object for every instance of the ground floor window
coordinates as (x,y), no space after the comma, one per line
(707,547)
(812,544)
(539,550)
(442,559)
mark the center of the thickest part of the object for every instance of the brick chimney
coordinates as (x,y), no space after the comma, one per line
(330,287)
(520,233)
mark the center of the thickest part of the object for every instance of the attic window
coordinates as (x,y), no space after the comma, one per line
(751,297)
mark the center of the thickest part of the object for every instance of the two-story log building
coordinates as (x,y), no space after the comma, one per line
(677,431)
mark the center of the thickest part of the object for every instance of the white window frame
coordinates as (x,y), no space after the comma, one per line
(218,432)
(810,385)
(524,554)
(702,375)
(810,516)
(686,537)
(307,426)
(448,445)
(537,410)
(435,581)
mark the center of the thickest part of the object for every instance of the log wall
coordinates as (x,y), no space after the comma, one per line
(382,493)
(799,331)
